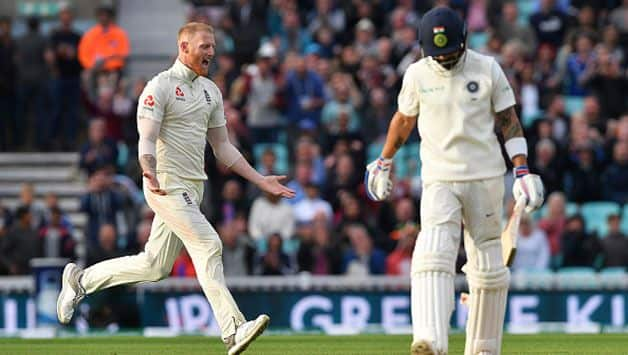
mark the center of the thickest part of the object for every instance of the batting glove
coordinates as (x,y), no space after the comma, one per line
(377,179)
(528,185)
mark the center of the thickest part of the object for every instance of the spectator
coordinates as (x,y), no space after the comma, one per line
(302,177)
(304,94)
(553,224)
(399,261)
(292,38)
(362,258)
(232,201)
(310,205)
(98,151)
(101,204)
(237,252)
(107,247)
(607,82)
(533,249)
(377,113)
(105,46)
(268,162)
(615,177)
(318,253)
(509,27)
(579,65)
(56,238)
(615,244)
(66,82)
(325,14)
(581,176)
(263,98)
(547,165)
(31,94)
(549,23)
(618,17)
(9,137)
(52,202)
(340,105)
(19,245)
(307,150)
(275,261)
(271,215)
(183,266)
(577,246)
(36,208)
(246,17)
(342,178)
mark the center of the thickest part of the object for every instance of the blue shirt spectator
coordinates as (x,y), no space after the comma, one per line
(363,258)
(304,90)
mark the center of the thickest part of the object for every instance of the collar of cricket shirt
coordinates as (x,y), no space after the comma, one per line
(181,70)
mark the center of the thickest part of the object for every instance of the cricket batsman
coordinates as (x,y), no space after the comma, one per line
(179,110)
(459,97)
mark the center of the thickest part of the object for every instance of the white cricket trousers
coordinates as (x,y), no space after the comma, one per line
(178,222)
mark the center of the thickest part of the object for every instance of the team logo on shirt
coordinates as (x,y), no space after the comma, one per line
(473,86)
(440,39)
(207,97)
(149,101)
(179,94)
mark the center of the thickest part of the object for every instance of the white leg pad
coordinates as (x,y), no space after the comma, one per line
(432,293)
(488,282)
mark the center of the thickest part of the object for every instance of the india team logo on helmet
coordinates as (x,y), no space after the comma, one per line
(440,38)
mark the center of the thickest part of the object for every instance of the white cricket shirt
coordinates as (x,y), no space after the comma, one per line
(187,105)
(456,116)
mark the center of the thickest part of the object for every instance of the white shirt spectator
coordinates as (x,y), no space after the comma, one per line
(311,205)
(533,252)
(268,217)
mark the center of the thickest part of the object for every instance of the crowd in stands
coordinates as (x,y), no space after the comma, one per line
(309,88)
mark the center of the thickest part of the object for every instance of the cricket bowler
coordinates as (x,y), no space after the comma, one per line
(459,97)
(179,110)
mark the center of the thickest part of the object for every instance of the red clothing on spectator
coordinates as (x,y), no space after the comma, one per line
(554,229)
(183,266)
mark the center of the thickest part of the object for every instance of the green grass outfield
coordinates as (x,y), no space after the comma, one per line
(555,344)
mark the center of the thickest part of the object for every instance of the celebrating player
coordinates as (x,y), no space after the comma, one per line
(178,111)
(459,97)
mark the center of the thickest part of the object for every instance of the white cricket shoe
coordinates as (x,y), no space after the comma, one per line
(245,334)
(422,347)
(71,293)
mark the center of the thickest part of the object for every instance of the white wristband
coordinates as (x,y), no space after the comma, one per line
(516,146)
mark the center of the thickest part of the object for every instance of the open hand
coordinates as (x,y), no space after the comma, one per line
(272,185)
(152,183)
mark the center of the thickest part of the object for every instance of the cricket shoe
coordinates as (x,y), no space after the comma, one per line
(71,292)
(245,334)
(424,347)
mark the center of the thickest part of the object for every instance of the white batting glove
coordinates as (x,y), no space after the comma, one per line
(377,179)
(528,185)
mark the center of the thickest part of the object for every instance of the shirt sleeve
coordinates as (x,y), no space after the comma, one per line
(217,116)
(502,96)
(408,99)
(152,102)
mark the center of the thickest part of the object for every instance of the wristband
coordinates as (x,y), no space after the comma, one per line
(520,171)
(383,164)
(516,146)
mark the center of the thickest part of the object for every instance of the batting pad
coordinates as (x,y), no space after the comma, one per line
(432,293)
(488,282)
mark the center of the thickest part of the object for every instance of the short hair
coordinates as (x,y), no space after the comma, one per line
(191,28)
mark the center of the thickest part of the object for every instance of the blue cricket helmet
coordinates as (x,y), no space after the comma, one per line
(442,31)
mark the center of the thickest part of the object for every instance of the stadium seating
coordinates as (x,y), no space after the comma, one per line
(613,278)
(583,278)
(407,160)
(624,220)
(573,104)
(533,279)
(477,40)
(571,208)
(595,215)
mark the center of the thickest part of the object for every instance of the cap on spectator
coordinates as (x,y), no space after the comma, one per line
(364,25)
(266,50)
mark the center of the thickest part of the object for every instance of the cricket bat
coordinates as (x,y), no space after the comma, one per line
(509,235)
